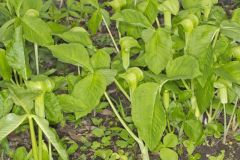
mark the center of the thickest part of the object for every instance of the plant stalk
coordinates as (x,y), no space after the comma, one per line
(143,148)
(36,57)
(225,124)
(40,111)
(33,138)
(110,34)
(122,90)
(167,20)
(231,118)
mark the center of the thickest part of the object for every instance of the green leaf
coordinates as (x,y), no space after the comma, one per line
(95,21)
(236,15)
(70,103)
(149,9)
(20,154)
(184,67)
(204,94)
(36,30)
(168,154)
(5,69)
(148,114)
(6,103)
(53,109)
(90,90)
(158,51)
(190,3)
(230,71)
(44,125)
(101,59)
(193,129)
(231,30)
(76,35)
(32,4)
(72,53)
(127,43)
(171,6)
(16,56)
(22,97)
(200,46)
(132,17)
(170,140)
(9,123)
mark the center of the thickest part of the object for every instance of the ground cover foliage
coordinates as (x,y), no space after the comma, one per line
(120,79)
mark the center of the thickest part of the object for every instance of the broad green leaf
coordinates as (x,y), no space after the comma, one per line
(36,30)
(76,35)
(184,67)
(70,103)
(22,97)
(204,94)
(168,154)
(16,5)
(190,3)
(171,6)
(53,109)
(127,43)
(236,15)
(132,17)
(230,71)
(231,29)
(44,125)
(16,56)
(5,70)
(148,114)
(32,4)
(158,51)
(95,21)
(200,46)
(170,140)
(201,39)
(6,103)
(9,123)
(193,129)
(149,9)
(7,31)
(90,90)
(109,75)
(101,59)
(72,53)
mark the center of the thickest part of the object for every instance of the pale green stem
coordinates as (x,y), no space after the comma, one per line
(225,123)
(36,57)
(158,23)
(50,150)
(231,118)
(167,20)
(143,149)
(122,90)
(40,111)
(110,34)
(79,72)
(33,138)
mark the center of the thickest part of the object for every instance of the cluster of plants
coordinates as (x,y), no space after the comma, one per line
(176,63)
